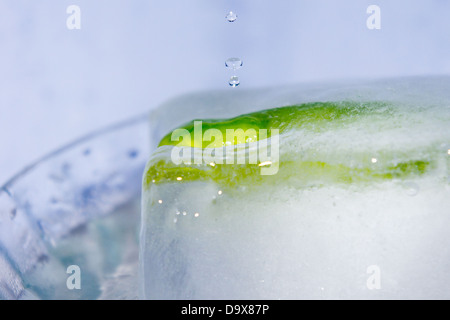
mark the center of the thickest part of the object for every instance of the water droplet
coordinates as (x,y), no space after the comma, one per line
(231,16)
(411,188)
(13,213)
(234,81)
(234,63)
(374,160)
(184,213)
(43,258)
(160,201)
(196,214)
(219,192)
(133,154)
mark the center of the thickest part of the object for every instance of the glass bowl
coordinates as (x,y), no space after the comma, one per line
(78,206)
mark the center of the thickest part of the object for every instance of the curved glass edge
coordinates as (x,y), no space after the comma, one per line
(61,192)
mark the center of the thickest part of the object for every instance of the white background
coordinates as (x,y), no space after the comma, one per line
(130,55)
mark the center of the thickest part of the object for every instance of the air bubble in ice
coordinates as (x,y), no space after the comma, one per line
(411,189)
(133,153)
(13,213)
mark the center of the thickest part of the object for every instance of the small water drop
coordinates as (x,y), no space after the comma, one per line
(13,213)
(234,63)
(133,154)
(234,81)
(231,16)
(43,258)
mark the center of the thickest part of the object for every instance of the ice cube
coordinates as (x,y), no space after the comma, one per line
(336,219)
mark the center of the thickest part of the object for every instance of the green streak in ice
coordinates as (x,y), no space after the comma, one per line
(311,116)
(314,117)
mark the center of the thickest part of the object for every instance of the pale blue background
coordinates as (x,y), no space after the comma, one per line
(130,55)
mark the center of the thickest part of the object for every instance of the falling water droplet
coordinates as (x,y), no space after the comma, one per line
(234,81)
(234,63)
(231,16)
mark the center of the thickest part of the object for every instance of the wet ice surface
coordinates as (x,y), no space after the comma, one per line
(305,238)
